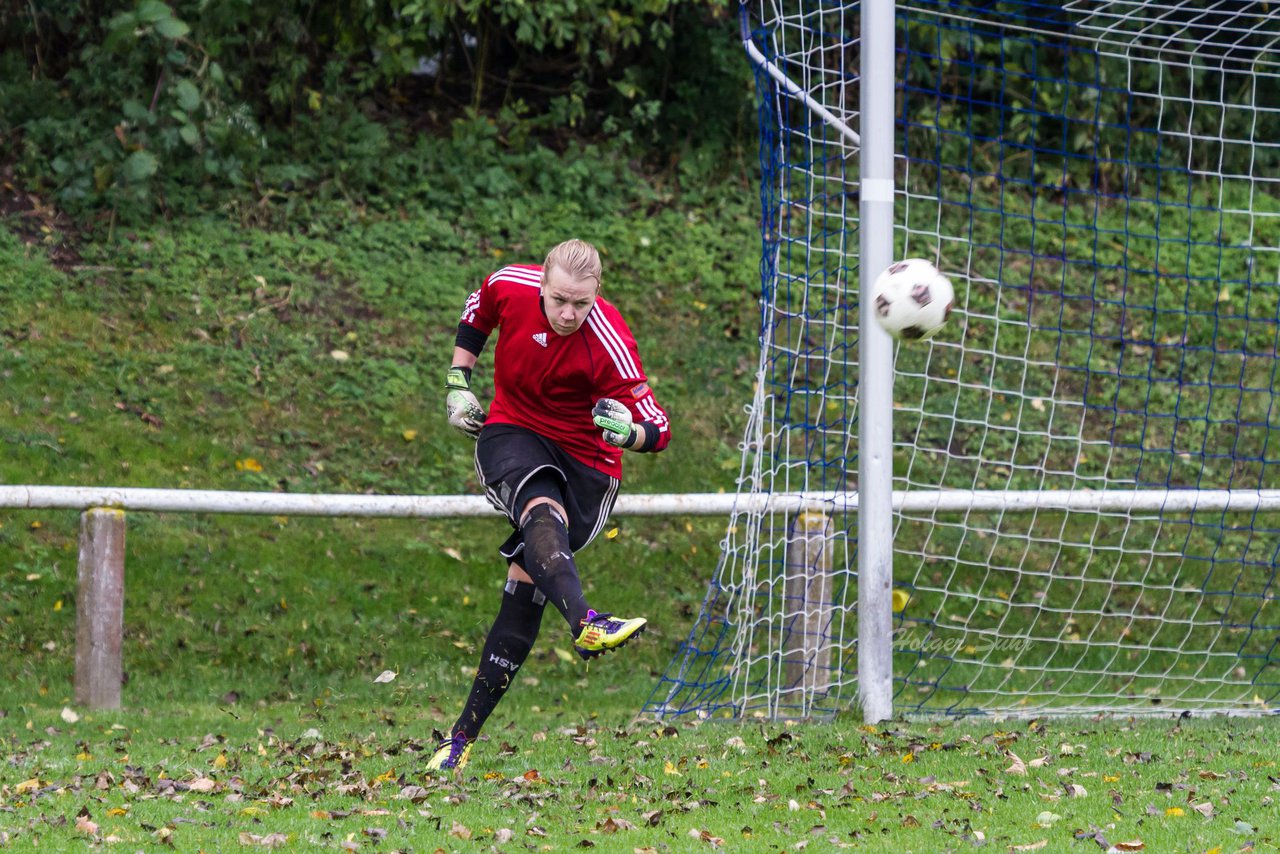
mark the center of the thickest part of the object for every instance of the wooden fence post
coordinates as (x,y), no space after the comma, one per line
(100,608)
(808,591)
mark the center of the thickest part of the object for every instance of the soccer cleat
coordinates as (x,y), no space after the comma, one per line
(452,753)
(602,632)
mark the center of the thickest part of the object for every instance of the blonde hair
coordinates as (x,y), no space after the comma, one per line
(577,258)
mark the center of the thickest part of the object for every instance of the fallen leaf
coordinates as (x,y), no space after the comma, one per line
(1030,846)
(415,794)
(1095,835)
(386,676)
(68,715)
(705,836)
(271,840)
(1018,767)
(1133,845)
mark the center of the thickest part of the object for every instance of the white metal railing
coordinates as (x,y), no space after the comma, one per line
(679,504)
(100,567)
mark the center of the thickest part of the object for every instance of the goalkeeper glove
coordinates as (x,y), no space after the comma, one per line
(464,411)
(615,420)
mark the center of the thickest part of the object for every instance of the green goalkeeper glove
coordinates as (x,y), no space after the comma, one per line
(464,411)
(615,420)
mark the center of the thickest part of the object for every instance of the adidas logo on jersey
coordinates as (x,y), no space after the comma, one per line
(541,338)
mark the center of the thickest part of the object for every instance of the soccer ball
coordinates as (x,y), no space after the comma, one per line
(912,299)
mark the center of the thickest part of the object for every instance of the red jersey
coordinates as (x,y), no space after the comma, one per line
(548,383)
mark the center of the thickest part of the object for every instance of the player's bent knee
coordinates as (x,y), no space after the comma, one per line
(542,505)
(546,540)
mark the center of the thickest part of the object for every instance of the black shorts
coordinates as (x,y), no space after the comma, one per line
(516,464)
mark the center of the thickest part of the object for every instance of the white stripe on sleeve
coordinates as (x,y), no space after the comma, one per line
(614,345)
(519,275)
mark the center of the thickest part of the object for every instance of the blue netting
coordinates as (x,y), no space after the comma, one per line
(1111,219)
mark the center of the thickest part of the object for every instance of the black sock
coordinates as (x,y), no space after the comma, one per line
(505,649)
(549,562)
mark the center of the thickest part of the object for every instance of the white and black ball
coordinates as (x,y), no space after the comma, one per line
(911,299)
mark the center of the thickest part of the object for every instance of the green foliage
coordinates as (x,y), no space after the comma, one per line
(172,106)
(145,108)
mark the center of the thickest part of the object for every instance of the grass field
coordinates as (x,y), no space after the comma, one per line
(551,775)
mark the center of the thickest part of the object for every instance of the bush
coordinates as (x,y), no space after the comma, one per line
(179,106)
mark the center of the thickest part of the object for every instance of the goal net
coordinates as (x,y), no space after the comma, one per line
(1085,459)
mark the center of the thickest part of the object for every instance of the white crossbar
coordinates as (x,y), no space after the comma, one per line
(681,504)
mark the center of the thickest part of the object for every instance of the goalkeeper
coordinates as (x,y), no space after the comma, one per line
(569,396)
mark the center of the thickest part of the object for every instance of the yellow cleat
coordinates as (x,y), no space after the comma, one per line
(452,753)
(603,632)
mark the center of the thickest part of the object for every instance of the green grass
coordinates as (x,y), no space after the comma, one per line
(270,609)
(347,772)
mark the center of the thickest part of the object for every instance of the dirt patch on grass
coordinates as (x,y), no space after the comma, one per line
(37,222)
